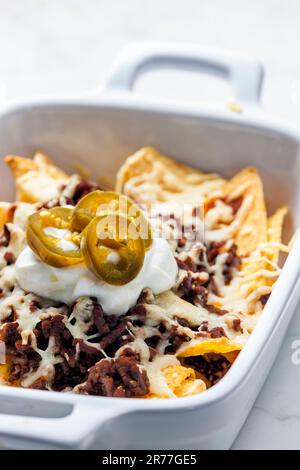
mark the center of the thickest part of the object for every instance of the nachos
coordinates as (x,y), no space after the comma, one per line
(131,313)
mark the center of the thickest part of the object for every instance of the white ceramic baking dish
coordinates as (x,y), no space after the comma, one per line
(99,130)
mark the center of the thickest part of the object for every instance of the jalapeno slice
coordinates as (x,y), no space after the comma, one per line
(109,250)
(48,235)
(104,202)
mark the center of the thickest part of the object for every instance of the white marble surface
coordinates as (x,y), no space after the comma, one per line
(49,46)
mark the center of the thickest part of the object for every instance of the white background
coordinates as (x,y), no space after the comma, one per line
(53,46)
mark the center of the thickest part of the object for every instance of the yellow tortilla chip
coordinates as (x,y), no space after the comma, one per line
(275,224)
(252,268)
(37,179)
(149,177)
(176,375)
(253,229)
(182,381)
(40,162)
(6,213)
(3,373)
(19,166)
(218,346)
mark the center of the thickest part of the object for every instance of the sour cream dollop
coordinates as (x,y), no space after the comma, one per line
(66,284)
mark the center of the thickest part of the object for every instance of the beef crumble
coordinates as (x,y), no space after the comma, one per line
(232,261)
(264,299)
(76,355)
(212,366)
(235,204)
(81,189)
(23,357)
(5,237)
(112,330)
(120,377)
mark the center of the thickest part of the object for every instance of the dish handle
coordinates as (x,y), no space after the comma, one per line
(244,74)
(75,430)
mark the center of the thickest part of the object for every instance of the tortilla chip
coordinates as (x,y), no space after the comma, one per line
(40,162)
(274,233)
(218,346)
(248,270)
(149,177)
(253,229)
(6,213)
(275,224)
(232,355)
(173,306)
(182,381)
(37,179)
(176,374)
(3,373)
(19,166)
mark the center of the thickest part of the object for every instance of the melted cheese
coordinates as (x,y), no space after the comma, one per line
(221,225)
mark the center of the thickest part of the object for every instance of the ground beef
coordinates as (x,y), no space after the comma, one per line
(56,328)
(117,337)
(217,332)
(212,286)
(235,204)
(129,352)
(216,310)
(236,325)
(112,330)
(73,370)
(264,299)
(5,237)
(205,332)
(195,290)
(66,377)
(77,355)
(83,187)
(145,297)
(85,347)
(99,320)
(138,310)
(197,295)
(202,293)
(175,339)
(9,334)
(192,291)
(153,341)
(213,368)
(181,242)
(186,324)
(33,306)
(213,251)
(188,264)
(40,384)
(24,359)
(120,377)
(232,261)
(9,257)
(203,326)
